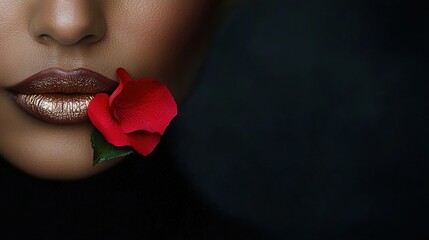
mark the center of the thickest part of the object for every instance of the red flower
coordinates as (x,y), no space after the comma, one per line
(136,114)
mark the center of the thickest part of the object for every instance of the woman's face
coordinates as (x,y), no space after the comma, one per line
(149,38)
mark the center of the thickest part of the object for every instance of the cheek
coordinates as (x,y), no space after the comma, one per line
(160,34)
(12,41)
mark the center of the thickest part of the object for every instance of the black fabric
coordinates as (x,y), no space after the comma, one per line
(309,122)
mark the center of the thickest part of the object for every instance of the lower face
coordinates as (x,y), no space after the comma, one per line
(151,38)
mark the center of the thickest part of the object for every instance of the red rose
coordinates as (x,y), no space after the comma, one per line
(136,114)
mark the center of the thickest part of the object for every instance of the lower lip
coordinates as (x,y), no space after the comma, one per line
(55,108)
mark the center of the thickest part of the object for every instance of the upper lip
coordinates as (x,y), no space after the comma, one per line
(55,80)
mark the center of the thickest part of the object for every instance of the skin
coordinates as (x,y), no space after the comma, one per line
(150,38)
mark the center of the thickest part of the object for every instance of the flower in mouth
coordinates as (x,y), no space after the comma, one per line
(136,114)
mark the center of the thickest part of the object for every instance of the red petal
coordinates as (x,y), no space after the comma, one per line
(144,142)
(145,104)
(101,117)
(124,77)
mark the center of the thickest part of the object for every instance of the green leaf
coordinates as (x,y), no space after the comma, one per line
(104,151)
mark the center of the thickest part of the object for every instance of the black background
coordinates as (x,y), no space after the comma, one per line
(309,122)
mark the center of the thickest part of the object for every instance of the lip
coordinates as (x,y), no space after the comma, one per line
(58,96)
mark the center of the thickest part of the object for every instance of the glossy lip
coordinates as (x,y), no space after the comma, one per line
(58,96)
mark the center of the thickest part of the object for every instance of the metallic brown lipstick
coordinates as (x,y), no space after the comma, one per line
(58,96)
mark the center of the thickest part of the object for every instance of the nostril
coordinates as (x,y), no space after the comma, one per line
(88,38)
(43,38)
(91,38)
(68,39)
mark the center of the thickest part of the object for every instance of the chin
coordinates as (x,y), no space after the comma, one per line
(65,169)
(54,152)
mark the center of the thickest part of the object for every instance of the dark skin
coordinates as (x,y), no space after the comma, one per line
(150,38)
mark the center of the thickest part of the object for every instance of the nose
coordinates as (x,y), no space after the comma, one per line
(67,22)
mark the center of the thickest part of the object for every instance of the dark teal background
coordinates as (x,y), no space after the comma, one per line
(311,121)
